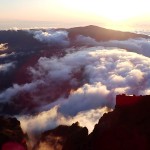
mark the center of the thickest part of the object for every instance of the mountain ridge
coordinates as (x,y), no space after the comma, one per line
(103,34)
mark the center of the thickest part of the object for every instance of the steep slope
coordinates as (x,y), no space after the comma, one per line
(127,127)
(64,138)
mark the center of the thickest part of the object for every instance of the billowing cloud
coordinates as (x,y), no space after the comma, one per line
(15,89)
(140,45)
(50,119)
(79,84)
(86,40)
(53,38)
(105,73)
(60,38)
(91,77)
(84,98)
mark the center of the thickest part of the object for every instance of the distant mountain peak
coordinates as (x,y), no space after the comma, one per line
(102,34)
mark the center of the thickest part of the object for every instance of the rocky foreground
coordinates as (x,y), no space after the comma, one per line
(127,127)
(11,134)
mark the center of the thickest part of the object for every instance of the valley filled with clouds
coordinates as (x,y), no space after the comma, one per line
(56,76)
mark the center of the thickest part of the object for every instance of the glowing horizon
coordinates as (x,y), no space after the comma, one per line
(104,12)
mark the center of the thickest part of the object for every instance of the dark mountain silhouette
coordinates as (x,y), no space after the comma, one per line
(127,127)
(102,34)
(64,137)
(11,134)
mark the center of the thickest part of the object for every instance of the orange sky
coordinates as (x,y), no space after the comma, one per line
(101,12)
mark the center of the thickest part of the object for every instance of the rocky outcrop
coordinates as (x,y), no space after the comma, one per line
(11,134)
(125,128)
(63,137)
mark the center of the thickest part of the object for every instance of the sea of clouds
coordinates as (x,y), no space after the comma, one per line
(92,73)
(106,73)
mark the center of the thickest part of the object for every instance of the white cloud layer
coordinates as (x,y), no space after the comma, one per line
(94,75)
(140,45)
(60,38)
(53,38)
(106,73)
(50,119)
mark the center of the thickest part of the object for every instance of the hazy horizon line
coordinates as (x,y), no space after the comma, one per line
(28,24)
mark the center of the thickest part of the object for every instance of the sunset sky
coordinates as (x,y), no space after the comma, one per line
(77,12)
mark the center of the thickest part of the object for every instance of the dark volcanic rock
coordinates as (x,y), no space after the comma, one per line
(11,134)
(64,138)
(126,128)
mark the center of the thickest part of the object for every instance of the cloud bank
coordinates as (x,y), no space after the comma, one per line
(105,73)
(50,119)
(81,85)
(53,38)
(140,45)
(60,38)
